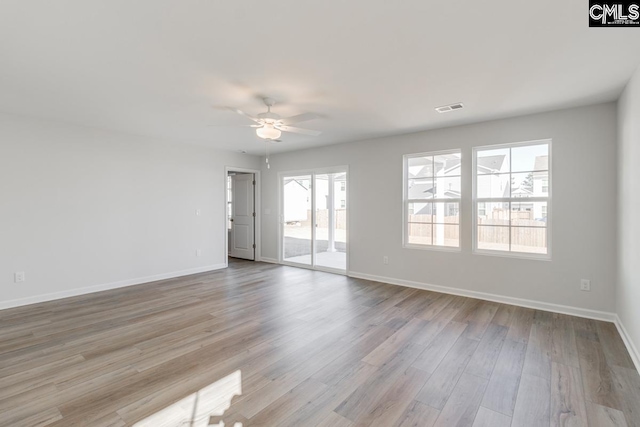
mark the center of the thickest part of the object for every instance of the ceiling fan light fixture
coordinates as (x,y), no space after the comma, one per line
(268,132)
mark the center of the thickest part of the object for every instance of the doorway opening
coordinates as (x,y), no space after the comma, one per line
(314,219)
(241,214)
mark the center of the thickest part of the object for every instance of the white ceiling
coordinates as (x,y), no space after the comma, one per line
(370,67)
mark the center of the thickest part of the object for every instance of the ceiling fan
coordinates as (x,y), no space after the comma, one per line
(270,125)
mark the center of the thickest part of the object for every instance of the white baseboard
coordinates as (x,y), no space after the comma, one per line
(538,305)
(633,351)
(106,286)
(269,260)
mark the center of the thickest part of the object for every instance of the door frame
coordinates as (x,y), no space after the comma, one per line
(312,172)
(257,221)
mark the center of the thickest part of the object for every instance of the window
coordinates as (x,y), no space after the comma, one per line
(432,199)
(343,204)
(343,186)
(512,198)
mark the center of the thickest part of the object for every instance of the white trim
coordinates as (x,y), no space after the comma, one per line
(270,260)
(538,305)
(106,286)
(631,348)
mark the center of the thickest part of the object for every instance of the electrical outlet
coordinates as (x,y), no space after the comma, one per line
(198,212)
(19,277)
(585,285)
(385,260)
(198,252)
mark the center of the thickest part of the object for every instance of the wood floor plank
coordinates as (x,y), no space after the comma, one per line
(626,383)
(435,352)
(532,406)
(488,418)
(334,420)
(360,402)
(288,404)
(486,355)
(315,411)
(563,341)
(442,382)
(41,419)
(479,319)
(537,360)
(597,378)
(418,414)
(567,398)
(503,385)
(391,405)
(614,348)
(391,346)
(461,408)
(503,315)
(602,416)
(520,325)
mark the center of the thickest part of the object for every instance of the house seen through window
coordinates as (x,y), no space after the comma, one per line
(432,199)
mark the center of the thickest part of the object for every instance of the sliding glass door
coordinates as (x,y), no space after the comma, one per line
(314,219)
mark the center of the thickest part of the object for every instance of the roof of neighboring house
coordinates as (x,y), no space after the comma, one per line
(521,191)
(449,164)
(421,191)
(541,163)
(424,211)
(289,181)
(493,163)
(427,210)
(426,191)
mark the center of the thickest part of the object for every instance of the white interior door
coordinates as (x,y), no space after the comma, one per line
(242,233)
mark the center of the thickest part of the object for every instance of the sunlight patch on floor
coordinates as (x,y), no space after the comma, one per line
(196,409)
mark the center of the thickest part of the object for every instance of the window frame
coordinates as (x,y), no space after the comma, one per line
(511,199)
(406,201)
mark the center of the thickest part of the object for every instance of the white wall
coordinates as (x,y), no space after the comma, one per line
(584,205)
(81,207)
(628,285)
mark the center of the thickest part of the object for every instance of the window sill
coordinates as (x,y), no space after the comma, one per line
(431,248)
(517,255)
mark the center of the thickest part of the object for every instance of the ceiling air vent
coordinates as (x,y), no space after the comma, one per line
(447,108)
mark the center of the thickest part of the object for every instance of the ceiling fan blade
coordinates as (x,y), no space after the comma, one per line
(299,118)
(298,130)
(242,113)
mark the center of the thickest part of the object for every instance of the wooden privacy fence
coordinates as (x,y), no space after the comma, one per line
(418,228)
(525,233)
(322,218)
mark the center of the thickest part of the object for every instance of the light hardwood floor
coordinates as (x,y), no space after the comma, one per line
(292,347)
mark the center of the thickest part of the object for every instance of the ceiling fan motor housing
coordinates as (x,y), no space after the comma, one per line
(269,117)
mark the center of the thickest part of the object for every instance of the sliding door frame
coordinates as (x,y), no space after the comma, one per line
(312,173)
